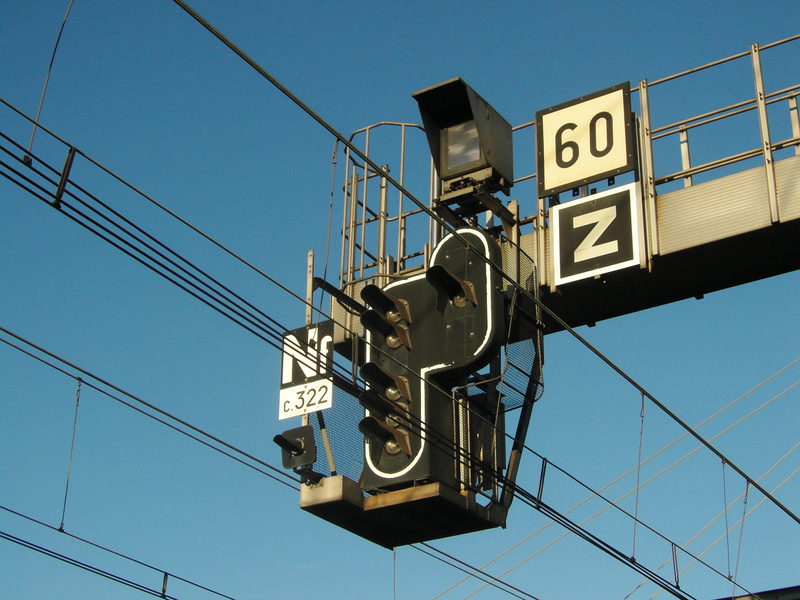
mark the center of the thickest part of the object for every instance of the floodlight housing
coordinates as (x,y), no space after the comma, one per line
(470,142)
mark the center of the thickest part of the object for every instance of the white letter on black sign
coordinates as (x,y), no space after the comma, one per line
(602,219)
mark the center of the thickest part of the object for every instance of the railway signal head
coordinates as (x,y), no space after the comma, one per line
(425,335)
(470,142)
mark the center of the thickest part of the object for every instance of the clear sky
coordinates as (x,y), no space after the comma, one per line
(144,90)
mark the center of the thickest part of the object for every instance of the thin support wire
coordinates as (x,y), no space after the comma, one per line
(676,571)
(47,77)
(71,452)
(727,526)
(334,163)
(638,477)
(741,533)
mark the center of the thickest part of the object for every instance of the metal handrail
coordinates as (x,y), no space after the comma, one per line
(362,213)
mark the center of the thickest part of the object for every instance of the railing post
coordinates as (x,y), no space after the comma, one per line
(686,158)
(648,172)
(382,262)
(794,117)
(766,144)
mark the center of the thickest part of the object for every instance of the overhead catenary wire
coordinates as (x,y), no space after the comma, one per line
(162,207)
(173,422)
(345,141)
(71,451)
(530,499)
(682,547)
(128,248)
(638,475)
(47,76)
(88,375)
(453,561)
(729,528)
(733,526)
(69,207)
(132,240)
(735,574)
(42,194)
(85,566)
(66,206)
(600,544)
(274,344)
(270,334)
(328,127)
(725,512)
(116,553)
(473,571)
(125,237)
(143,247)
(121,237)
(652,478)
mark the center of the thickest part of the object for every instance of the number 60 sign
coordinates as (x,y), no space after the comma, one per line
(585,140)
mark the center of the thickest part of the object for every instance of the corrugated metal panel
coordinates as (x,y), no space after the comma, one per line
(548,256)
(712,211)
(527,244)
(787,180)
(345,320)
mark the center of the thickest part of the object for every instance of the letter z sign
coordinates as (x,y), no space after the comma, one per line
(597,234)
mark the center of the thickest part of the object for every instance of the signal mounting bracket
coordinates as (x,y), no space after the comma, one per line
(398,518)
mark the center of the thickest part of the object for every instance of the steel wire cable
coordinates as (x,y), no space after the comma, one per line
(729,528)
(71,451)
(85,566)
(481,575)
(473,571)
(87,378)
(664,470)
(461,457)
(530,499)
(131,250)
(658,474)
(534,502)
(193,279)
(114,552)
(182,282)
(741,520)
(212,307)
(520,490)
(146,197)
(267,328)
(222,312)
(397,185)
(652,478)
(464,458)
(436,438)
(49,71)
(200,290)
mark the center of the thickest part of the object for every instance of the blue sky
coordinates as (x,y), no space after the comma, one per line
(144,90)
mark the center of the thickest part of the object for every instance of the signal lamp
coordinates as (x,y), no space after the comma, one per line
(470,142)
(298,447)
(451,287)
(392,386)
